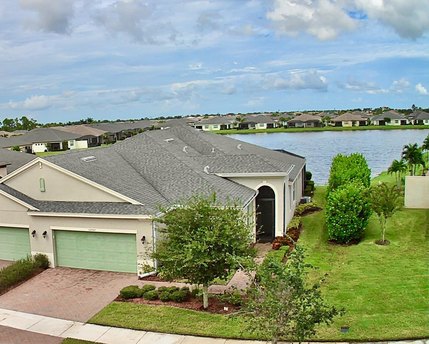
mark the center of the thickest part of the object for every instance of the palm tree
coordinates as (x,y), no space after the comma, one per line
(413,155)
(397,167)
(425,147)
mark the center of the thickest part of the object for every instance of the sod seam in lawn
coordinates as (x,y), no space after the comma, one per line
(383,288)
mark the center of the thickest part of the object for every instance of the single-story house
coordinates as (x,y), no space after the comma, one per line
(215,123)
(260,121)
(305,121)
(95,208)
(45,140)
(349,119)
(390,117)
(93,136)
(419,117)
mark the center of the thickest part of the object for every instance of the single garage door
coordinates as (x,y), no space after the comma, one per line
(96,251)
(14,243)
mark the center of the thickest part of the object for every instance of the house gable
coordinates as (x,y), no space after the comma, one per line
(41,180)
(9,203)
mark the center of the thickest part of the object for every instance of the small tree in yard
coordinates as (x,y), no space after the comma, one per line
(280,304)
(203,240)
(385,201)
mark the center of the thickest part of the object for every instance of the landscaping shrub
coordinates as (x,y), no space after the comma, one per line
(21,270)
(305,208)
(308,175)
(162,289)
(233,297)
(147,287)
(347,213)
(41,261)
(346,169)
(172,289)
(179,296)
(151,295)
(131,292)
(196,292)
(165,296)
(294,223)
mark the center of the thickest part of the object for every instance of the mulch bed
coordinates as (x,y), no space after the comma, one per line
(215,305)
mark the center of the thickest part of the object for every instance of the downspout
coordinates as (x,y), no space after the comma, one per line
(155,263)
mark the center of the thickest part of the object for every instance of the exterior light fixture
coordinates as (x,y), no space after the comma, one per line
(45,233)
(33,233)
(143,239)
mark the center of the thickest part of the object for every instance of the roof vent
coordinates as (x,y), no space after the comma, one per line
(239,146)
(213,150)
(206,169)
(169,140)
(88,158)
(185,149)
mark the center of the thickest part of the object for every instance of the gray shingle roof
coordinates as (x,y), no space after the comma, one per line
(391,114)
(15,159)
(39,135)
(163,167)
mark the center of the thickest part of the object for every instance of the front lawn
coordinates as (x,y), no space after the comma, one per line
(383,288)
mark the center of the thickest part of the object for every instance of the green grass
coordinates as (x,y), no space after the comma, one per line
(299,130)
(43,154)
(75,341)
(383,288)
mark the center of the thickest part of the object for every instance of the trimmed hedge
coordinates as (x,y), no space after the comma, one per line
(348,168)
(347,213)
(131,292)
(21,270)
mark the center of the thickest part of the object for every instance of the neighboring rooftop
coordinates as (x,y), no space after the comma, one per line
(15,160)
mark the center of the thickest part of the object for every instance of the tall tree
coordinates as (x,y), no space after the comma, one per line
(281,304)
(385,201)
(414,157)
(203,239)
(398,167)
(425,147)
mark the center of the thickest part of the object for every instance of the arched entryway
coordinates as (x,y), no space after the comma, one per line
(265,214)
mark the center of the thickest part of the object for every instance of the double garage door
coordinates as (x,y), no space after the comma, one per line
(96,250)
(14,243)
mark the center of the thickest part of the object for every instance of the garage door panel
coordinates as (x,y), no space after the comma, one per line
(98,251)
(14,243)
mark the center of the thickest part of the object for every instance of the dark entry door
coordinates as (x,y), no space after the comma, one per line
(265,214)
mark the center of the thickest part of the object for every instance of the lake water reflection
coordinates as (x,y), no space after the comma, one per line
(380,147)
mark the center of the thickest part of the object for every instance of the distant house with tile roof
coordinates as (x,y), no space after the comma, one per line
(419,117)
(305,121)
(349,119)
(390,117)
(95,209)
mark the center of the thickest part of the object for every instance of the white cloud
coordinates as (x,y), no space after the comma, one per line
(323,19)
(397,86)
(298,80)
(421,89)
(409,18)
(33,103)
(326,19)
(52,15)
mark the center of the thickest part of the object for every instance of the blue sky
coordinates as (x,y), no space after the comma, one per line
(108,59)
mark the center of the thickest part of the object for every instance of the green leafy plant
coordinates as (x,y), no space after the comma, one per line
(346,169)
(151,295)
(131,292)
(203,239)
(147,287)
(347,213)
(385,201)
(165,296)
(282,305)
(413,155)
(305,208)
(41,261)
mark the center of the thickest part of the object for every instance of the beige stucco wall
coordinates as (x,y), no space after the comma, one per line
(58,186)
(417,192)
(13,214)
(277,184)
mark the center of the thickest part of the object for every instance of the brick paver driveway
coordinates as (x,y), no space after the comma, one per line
(4,263)
(10,335)
(72,294)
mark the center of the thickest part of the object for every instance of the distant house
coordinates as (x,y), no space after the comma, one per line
(419,117)
(11,161)
(97,209)
(44,140)
(215,123)
(349,119)
(93,136)
(390,117)
(260,121)
(305,121)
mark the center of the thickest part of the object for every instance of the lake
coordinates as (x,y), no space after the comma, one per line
(380,147)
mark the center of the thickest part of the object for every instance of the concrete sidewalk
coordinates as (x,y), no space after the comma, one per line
(112,335)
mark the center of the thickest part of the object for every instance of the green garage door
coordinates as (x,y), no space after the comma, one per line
(97,251)
(14,243)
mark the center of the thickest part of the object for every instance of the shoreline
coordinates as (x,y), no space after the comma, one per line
(316,129)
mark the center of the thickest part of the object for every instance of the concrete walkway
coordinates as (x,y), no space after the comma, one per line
(111,335)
